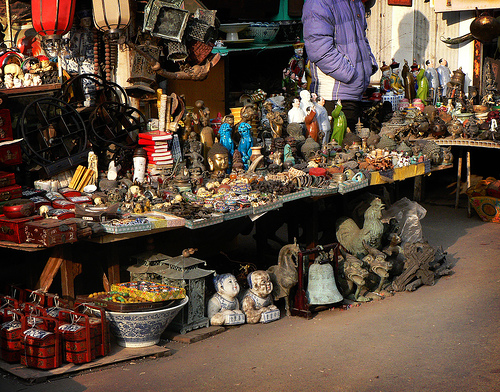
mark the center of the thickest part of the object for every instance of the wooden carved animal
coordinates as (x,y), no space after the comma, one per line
(351,237)
(284,275)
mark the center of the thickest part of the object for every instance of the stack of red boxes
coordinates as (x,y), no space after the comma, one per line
(10,150)
(84,337)
(8,188)
(45,336)
(156,144)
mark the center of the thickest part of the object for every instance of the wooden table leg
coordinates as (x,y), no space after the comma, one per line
(113,260)
(469,212)
(459,178)
(50,270)
(60,259)
(417,189)
(69,271)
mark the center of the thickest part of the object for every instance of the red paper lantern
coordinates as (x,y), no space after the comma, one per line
(52,18)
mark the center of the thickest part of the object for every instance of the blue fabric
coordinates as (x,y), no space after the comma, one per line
(340,56)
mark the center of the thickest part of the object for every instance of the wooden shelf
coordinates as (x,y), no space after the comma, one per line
(245,48)
(44,88)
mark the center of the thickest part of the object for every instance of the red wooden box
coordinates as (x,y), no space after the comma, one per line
(10,341)
(5,125)
(10,192)
(63,204)
(13,229)
(7,178)
(61,213)
(40,201)
(10,153)
(41,348)
(99,327)
(50,232)
(69,192)
(78,344)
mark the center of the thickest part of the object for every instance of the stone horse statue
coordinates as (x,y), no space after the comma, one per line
(284,275)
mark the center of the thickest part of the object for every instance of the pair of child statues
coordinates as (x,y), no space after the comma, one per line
(256,305)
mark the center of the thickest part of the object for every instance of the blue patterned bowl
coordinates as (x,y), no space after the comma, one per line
(262,33)
(142,329)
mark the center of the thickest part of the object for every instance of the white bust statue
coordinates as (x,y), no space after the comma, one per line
(305,100)
(296,114)
(224,308)
(257,303)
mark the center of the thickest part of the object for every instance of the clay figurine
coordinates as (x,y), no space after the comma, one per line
(224,307)
(257,303)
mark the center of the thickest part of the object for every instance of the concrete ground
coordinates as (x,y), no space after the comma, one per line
(439,338)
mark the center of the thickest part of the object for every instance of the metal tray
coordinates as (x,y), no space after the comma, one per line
(127,307)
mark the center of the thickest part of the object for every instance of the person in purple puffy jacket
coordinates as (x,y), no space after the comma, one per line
(341,60)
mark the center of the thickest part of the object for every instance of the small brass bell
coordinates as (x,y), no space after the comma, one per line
(321,287)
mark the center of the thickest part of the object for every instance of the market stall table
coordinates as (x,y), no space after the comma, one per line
(467,144)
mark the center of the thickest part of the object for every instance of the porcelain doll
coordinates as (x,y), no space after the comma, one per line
(224,307)
(257,303)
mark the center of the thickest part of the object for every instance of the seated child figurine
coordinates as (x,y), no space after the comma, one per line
(224,307)
(257,303)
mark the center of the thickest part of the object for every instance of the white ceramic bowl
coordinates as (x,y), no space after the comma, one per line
(142,329)
(262,33)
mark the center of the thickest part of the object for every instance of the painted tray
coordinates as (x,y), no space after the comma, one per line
(124,308)
(296,195)
(323,191)
(197,223)
(268,206)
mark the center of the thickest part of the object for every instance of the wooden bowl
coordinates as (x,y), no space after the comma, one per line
(18,208)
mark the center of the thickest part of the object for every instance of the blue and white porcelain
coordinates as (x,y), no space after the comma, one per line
(142,329)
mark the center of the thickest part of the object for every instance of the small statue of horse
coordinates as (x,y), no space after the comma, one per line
(284,275)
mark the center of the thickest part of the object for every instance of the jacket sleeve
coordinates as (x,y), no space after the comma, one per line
(319,38)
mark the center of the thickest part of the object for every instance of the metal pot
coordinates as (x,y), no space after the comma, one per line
(484,28)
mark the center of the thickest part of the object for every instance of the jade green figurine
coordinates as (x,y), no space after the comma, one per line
(339,124)
(422,86)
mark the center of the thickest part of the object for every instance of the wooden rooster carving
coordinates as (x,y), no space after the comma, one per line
(351,237)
